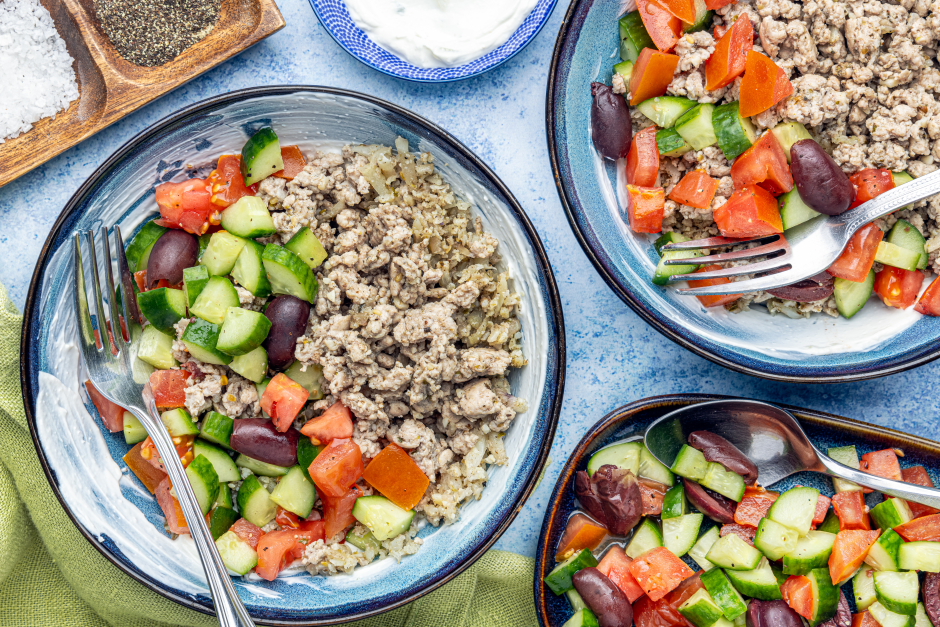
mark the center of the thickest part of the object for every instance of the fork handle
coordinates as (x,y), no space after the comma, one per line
(229,608)
(892,200)
(907,491)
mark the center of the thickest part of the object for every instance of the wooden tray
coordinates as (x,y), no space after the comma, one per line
(111,87)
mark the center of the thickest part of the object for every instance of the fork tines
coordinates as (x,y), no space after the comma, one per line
(100,333)
(774,250)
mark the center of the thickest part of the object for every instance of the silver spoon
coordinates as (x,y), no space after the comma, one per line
(771,438)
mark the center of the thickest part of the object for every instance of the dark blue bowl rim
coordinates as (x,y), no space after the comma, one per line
(535,34)
(557,327)
(544,557)
(578,223)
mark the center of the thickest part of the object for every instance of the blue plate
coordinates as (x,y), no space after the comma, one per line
(876,342)
(83,461)
(335,18)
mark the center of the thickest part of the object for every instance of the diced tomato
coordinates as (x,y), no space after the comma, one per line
(864,619)
(643,159)
(282,400)
(883,463)
(713,5)
(659,571)
(652,73)
(294,162)
(276,550)
(649,613)
(822,508)
(713,301)
(763,164)
(184,449)
(797,591)
(764,85)
(226,183)
(859,255)
(898,287)
(645,208)
(149,475)
(682,9)
(285,518)
(652,493)
(925,528)
(397,477)
(337,512)
(140,278)
(696,189)
(929,303)
(664,29)
(187,206)
(870,183)
(848,552)
(580,533)
(175,520)
(728,60)
(750,212)
(112,415)
(616,565)
(337,467)
(918,476)
(309,531)
(746,533)
(850,509)
(248,532)
(335,422)
(754,506)
(169,388)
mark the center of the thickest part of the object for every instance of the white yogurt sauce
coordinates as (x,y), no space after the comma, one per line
(439,33)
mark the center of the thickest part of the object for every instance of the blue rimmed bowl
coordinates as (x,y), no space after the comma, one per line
(335,18)
(878,341)
(83,461)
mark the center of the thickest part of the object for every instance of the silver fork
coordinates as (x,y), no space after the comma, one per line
(807,249)
(109,368)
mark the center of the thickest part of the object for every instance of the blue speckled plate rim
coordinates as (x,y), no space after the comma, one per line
(555,379)
(714,352)
(544,558)
(482,70)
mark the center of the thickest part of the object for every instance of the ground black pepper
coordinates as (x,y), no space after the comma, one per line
(152,32)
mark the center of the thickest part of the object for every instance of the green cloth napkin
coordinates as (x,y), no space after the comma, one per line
(51,576)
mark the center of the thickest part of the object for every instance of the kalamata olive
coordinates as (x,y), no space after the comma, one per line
(808,290)
(843,615)
(172,253)
(611,128)
(771,614)
(821,182)
(608,602)
(288,316)
(653,493)
(713,505)
(717,449)
(259,439)
(612,496)
(932,597)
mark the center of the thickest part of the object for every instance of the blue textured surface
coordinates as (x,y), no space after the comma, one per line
(614,357)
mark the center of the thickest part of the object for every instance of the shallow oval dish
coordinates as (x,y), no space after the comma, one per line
(878,341)
(630,422)
(334,16)
(83,461)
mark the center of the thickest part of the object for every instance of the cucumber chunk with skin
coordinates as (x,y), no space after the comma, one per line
(307,246)
(724,482)
(897,257)
(794,211)
(295,493)
(690,463)
(652,468)
(249,270)
(775,540)
(663,271)
(288,274)
(701,548)
(134,431)
(646,536)
(811,551)
(787,134)
(261,156)
(236,554)
(625,70)
(883,554)
(365,541)
(382,517)
(254,502)
(670,143)
(260,468)
(224,465)
(204,481)
(795,508)
(760,583)
(847,456)
(178,422)
(695,126)
(201,339)
(583,617)
(700,609)
(559,580)
(675,503)
(242,331)
(851,296)
(625,456)
(733,553)
(665,110)
(221,520)
(203,245)
(734,134)
(830,523)
(890,513)
(215,298)
(825,595)
(680,533)
(138,251)
(248,217)
(703,18)
(225,497)
(253,366)
(194,280)
(162,307)
(726,597)
(633,36)
(897,591)
(217,428)
(222,252)
(863,588)
(156,348)
(905,235)
(887,618)
(920,617)
(310,379)
(307,451)
(923,556)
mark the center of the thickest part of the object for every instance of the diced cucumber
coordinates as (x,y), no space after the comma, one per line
(364,541)
(224,465)
(559,580)
(669,143)
(178,422)
(582,618)
(830,523)
(253,366)
(261,156)
(194,280)
(295,493)
(663,272)
(923,556)
(305,245)
(701,548)
(825,595)
(652,468)
(633,36)
(576,601)
(242,331)
(760,583)
(794,211)
(897,257)
(248,217)
(310,379)
(307,451)
(254,502)
(222,252)
(134,432)
(811,551)
(665,110)
(236,554)
(695,126)
(205,482)
(675,503)
(671,237)
(221,520)
(162,307)
(851,296)
(904,234)
(703,18)
(733,553)
(724,482)
(225,497)
(680,534)
(726,597)
(156,348)
(795,508)
(383,518)
(883,554)
(700,609)
(775,540)
(847,456)
(625,70)
(260,386)
(734,133)
(201,340)
(249,270)
(217,428)
(863,588)
(625,456)
(690,463)
(288,274)
(203,245)
(900,178)
(887,618)
(897,591)
(646,536)
(138,251)
(259,467)
(890,513)
(920,617)
(787,134)
(218,295)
